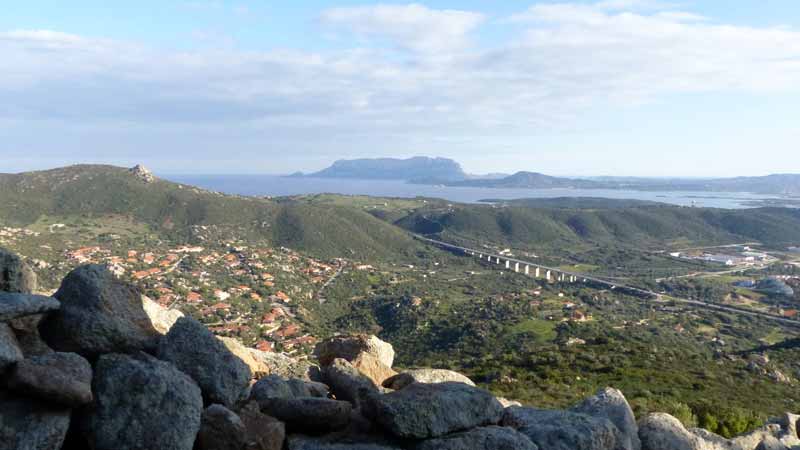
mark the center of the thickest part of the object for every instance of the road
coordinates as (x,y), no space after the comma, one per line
(645,293)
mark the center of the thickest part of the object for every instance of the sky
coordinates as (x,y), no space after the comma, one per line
(577,88)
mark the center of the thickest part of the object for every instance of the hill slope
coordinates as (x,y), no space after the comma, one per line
(178,211)
(624,225)
(530,180)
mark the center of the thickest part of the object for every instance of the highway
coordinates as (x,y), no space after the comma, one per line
(644,293)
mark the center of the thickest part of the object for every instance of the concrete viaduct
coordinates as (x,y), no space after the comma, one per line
(551,274)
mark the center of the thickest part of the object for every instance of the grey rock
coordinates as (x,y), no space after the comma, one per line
(271,386)
(611,404)
(15,275)
(659,431)
(27,331)
(28,424)
(506,402)
(193,349)
(14,305)
(141,403)
(279,364)
(99,314)
(350,346)
(562,430)
(407,377)
(771,443)
(162,318)
(422,411)
(64,378)
(484,438)
(220,429)
(10,353)
(262,432)
(310,414)
(299,388)
(781,430)
(317,389)
(300,442)
(346,381)
(712,440)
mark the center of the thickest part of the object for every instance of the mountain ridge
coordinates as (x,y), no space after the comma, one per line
(435,171)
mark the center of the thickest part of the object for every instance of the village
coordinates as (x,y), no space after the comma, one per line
(253,293)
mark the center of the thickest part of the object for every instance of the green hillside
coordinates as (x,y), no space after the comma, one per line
(606,223)
(186,213)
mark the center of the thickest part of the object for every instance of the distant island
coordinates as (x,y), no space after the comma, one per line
(411,169)
(444,171)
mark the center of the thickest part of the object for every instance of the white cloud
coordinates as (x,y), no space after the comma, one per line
(564,59)
(413,26)
(633,4)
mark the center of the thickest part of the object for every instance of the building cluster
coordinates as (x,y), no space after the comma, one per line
(252,293)
(733,256)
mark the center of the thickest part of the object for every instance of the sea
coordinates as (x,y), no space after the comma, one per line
(280,186)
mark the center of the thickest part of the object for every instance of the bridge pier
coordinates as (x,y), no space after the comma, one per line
(537,274)
(547,275)
(516,267)
(508,264)
(498,260)
(527,269)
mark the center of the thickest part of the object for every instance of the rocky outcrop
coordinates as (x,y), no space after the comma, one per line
(132,400)
(300,442)
(372,368)
(193,349)
(262,432)
(269,387)
(423,411)
(14,306)
(27,331)
(64,378)
(223,429)
(563,430)
(407,377)
(349,347)
(285,366)
(302,388)
(659,431)
(162,318)
(346,382)
(10,353)
(142,403)
(485,438)
(611,404)
(99,314)
(15,275)
(142,173)
(257,368)
(29,424)
(220,429)
(309,414)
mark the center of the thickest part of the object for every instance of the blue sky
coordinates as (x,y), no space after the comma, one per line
(604,87)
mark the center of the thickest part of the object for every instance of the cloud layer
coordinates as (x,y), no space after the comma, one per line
(412,70)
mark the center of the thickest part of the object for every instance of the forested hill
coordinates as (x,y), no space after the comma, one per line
(189,213)
(555,223)
(370,228)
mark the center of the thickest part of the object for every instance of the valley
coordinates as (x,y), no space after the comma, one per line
(281,274)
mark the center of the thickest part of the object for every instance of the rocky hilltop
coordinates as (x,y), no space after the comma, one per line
(99,366)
